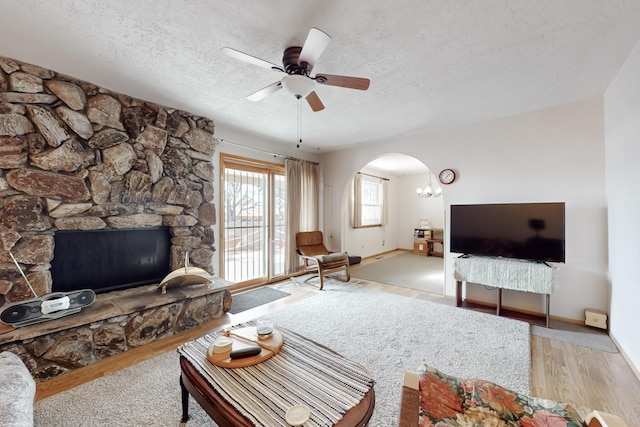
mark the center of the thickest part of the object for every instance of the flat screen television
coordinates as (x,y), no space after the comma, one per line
(528,231)
(110,259)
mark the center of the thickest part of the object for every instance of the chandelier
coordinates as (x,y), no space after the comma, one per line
(429,191)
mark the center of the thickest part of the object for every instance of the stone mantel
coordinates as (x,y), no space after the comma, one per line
(112,305)
(116,322)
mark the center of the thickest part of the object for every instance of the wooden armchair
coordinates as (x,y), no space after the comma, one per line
(317,259)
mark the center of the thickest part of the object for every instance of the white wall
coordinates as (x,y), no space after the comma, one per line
(622,134)
(413,208)
(554,154)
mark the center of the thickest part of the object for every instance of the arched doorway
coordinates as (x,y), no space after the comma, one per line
(406,212)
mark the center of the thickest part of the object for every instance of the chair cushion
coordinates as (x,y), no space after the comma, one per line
(313,250)
(327,259)
(453,401)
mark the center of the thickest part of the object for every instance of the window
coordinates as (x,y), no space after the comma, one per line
(369,202)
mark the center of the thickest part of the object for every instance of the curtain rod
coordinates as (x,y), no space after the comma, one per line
(373,176)
(262,151)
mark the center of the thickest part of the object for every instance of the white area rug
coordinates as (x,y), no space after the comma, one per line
(389,334)
(146,394)
(386,333)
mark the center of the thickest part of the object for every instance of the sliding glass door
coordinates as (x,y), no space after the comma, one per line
(254,203)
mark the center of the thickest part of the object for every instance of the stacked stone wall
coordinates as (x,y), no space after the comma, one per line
(75,156)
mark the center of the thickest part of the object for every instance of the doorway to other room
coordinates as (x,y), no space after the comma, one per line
(253,220)
(418,261)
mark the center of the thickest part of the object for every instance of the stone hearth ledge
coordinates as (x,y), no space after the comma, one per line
(113,304)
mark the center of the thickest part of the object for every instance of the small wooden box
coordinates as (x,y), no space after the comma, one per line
(595,318)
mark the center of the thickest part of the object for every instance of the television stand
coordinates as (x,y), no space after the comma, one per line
(505,273)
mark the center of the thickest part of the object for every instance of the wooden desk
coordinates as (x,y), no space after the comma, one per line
(424,240)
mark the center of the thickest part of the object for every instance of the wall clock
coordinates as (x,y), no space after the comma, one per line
(447,176)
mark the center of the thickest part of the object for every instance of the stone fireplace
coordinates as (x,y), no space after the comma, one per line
(74,156)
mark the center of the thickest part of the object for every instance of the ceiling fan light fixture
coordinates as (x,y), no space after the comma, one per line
(298,85)
(298,61)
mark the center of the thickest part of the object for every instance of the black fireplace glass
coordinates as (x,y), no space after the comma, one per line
(110,259)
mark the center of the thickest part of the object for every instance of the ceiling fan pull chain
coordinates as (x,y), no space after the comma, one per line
(299,122)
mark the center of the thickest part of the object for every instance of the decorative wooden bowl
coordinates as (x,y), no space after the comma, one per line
(247,337)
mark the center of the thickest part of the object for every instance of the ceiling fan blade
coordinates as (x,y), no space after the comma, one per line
(244,57)
(314,102)
(264,92)
(317,41)
(343,81)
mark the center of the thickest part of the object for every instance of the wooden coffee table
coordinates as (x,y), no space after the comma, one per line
(191,382)
(194,384)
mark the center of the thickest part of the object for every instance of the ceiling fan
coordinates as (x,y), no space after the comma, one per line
(297,63)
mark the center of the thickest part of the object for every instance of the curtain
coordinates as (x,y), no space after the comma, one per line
(357,200)
(385,202)
(303,201)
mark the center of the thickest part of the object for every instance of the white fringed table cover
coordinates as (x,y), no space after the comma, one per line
(506,273)
(303,372)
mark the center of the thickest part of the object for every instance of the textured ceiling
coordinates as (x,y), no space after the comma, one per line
(432,64)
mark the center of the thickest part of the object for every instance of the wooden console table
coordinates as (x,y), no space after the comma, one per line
(504,273)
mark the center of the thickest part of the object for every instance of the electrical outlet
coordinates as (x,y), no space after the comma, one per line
(383,243)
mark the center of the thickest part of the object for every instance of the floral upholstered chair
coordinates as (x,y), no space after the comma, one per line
(441,400)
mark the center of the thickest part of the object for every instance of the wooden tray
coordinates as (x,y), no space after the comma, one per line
(247,337)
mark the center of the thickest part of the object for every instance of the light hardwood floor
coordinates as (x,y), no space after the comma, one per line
(586,378)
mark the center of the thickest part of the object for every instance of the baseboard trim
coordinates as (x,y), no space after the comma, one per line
(381,254)
(527,312)
(625,356)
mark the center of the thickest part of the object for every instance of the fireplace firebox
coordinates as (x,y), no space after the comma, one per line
(110,259)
